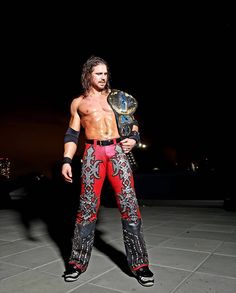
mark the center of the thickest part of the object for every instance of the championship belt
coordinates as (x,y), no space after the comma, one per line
(124,106)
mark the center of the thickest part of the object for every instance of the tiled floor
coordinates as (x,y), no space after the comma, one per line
(191,250)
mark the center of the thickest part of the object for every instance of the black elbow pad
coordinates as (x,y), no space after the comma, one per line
(71,135)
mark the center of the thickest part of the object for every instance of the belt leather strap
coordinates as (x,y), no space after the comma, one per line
(103,142)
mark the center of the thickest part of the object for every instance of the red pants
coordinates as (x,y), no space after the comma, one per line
(99,162)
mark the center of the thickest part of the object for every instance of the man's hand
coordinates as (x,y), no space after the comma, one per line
(127,144)
(67,172)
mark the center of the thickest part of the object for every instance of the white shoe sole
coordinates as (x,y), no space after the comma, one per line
(149,282)
(68,279)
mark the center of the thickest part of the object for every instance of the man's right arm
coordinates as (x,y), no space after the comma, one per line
(71,141)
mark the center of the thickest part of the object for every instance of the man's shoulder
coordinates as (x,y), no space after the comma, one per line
(118,92)
(75,104)
(77,100)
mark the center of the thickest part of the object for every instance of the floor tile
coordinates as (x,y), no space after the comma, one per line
(205,283)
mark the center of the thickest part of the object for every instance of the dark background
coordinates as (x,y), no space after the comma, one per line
(177,61)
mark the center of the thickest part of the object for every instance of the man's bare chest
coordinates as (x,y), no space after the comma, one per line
(95,106)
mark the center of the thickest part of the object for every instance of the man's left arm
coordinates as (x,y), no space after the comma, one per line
(132,140)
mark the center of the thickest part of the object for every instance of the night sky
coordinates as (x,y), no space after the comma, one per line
(177,64)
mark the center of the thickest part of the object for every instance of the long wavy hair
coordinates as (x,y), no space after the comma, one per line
(87,72)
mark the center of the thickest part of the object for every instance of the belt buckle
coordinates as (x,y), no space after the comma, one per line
(107,142)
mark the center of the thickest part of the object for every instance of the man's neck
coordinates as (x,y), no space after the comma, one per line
(97,93)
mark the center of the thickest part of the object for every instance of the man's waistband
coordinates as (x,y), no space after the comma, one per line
(103,142)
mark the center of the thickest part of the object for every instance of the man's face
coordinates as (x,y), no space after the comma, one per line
(99,76)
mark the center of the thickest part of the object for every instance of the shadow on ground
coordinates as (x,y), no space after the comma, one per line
(118,257)
(55,203)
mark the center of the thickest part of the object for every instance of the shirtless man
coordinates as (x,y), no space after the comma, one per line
(104,155)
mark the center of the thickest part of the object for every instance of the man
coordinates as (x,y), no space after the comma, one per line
(111,132)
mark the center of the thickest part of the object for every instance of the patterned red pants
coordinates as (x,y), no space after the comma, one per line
(99,162)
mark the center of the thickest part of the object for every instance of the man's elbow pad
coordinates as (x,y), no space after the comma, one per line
(71,135)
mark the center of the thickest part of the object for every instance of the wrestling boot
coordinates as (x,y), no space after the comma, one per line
(144,276)
(72,273)
(81,251)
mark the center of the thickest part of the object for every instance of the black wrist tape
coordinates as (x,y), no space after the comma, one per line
(135,135)
(71,135)
(67,160)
